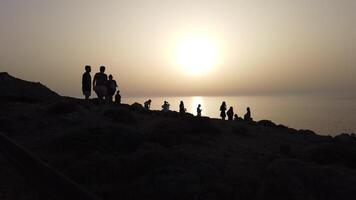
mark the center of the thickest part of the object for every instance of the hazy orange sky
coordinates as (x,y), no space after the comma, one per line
(262,47)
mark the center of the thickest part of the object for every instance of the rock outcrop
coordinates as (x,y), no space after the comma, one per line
(18,90)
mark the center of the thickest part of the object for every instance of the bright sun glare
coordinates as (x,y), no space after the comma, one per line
(196,55)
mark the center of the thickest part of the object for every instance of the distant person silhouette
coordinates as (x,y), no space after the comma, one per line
(230,113)
(118,97)
(247,116)
(100,83)
(165,106)
(147,104)
(236,117)
(86,82)
(111,87)
(199,111)
(181,108)
(222,110)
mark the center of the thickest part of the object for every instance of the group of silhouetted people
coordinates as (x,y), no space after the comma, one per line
(223,113)
(104,86)
(182,109)
(231,115)
(166,107)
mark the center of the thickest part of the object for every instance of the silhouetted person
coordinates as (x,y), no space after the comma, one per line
(181,108)
(165,106)
(199,111)
(222,110)
(247,116)
(100,83)
(118,97)
(236,117)
(147,104)
(111,87)
(230,113)
(86,82)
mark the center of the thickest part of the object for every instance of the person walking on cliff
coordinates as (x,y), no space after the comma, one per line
(222,110)
(86,82)
(230,113)
(199,111)
(100,83)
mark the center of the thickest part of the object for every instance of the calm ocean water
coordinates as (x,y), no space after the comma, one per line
(326,116)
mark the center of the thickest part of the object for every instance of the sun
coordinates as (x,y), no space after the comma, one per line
(196,55)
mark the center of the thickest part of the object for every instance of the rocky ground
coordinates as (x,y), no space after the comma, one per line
(123,152)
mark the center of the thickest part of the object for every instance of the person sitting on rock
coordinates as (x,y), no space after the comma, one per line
(111,87)
(86,82)
(222,110)
(247,116)
(147,104)
(165,106)
(100,83)
(230,113)
(118,97)
(181,108)
(199,111)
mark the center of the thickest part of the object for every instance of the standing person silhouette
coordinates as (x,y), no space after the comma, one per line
(222,110)
(181,108)
(118,97)
(111,87)
(199,111)
(86,82)
(230,113)
(100,83)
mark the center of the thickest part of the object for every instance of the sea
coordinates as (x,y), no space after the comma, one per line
(323,115)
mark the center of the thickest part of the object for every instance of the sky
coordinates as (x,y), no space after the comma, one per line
(165,47)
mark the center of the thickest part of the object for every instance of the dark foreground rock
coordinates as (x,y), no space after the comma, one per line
(125,152)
